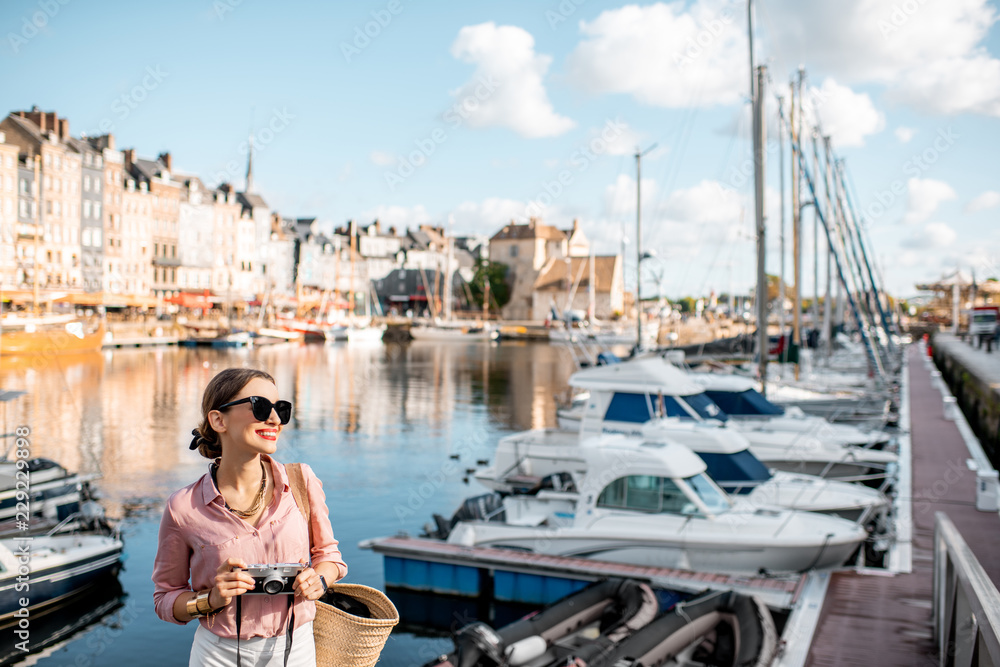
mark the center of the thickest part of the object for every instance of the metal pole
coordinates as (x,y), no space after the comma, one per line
(638,245)
(796,114)
(759,136)
(781,275)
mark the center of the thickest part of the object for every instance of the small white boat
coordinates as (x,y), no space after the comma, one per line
(621,398)
(455,331)
(653,505)
(53,496)
(525,462)
(365,334)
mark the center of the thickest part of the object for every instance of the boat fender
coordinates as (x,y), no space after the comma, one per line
(526,650)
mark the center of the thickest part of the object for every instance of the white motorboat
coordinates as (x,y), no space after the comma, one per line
(738,397)
(365,334)
(622,397)
(60,567)
(653,505)
(550,458)
(455,331)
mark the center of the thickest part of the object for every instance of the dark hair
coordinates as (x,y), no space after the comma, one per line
(220,390)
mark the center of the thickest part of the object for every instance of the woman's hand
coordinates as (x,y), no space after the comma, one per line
(231,580)
(308,585)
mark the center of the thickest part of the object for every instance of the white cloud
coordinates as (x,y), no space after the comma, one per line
(934,235)
(847,117)
(905,134)
(383,159)
(924,195)
(506,90)
(987,200)
(663,55)
(929,54)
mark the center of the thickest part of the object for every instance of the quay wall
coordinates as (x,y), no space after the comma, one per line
(976,387)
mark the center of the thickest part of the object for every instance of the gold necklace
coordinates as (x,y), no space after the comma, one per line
(243,514)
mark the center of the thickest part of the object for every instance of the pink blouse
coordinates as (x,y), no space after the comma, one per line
(198,533)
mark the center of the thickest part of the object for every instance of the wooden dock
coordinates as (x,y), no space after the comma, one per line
(886,620)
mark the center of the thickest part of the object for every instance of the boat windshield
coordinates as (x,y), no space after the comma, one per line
(713,497)
(646,493)
(640,408)
(741,469)
(706,407)
(745,403)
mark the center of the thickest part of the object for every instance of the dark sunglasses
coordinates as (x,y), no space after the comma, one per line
(262,408)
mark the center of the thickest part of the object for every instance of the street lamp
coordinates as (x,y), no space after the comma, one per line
(638,289)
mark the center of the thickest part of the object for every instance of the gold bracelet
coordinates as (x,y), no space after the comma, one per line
(199,605)
(202,603)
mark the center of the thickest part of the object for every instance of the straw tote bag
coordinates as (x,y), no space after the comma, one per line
(343,639)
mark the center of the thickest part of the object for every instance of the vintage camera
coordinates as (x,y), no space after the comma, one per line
(276,579)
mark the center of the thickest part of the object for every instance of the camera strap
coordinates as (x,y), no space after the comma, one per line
(288,633)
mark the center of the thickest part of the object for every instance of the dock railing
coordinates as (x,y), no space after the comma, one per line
(966,602)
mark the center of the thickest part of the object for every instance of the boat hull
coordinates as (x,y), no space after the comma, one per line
(50,341)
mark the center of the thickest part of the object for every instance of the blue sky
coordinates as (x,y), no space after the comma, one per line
(503,105)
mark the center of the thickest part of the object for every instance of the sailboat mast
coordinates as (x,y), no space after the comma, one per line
(759,129)
(758,150)
(638,251)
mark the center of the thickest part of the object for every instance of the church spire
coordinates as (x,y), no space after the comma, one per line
(249,187)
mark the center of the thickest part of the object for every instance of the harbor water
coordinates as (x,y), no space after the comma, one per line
(389,429)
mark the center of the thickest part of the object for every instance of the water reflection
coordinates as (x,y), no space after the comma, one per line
(51,630)
(382,426)
(127,414)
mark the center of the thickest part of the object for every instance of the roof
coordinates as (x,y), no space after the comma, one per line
(532,230)
(553,273)
(728,383)
(250,200)
(81,146)
(28,126)
(623,456)
(653,374)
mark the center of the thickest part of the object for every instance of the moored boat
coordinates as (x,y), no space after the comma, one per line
(58,567)
(49,335)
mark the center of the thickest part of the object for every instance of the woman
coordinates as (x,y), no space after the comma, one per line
(241,513)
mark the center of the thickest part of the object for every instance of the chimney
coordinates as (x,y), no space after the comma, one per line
(532,222)
(129,154)
(576,224)
(63,124)
(378,226)
(392,231)
(167,162)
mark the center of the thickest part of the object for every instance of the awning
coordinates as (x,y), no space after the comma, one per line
(188,300)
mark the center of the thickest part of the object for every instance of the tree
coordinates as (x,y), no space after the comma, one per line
(687,304)
(496,274)
(774,288)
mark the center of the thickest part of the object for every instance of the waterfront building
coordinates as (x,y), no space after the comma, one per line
(278,259)
(91,214)
(28,231)
(9,203)
(195,236)
(43,135)
(525,250)
(164,211)
(566,277)
(136,236)
(113,257)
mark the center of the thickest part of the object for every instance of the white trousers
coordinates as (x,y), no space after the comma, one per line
(210,650)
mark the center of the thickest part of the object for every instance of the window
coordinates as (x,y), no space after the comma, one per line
(513,251)
(22,208)
(705,407)
(640,408)
(741,471)
(86,183)
(85,237)
(646,493)
(710,494)
(86,208)
(97,210)
(24,186)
